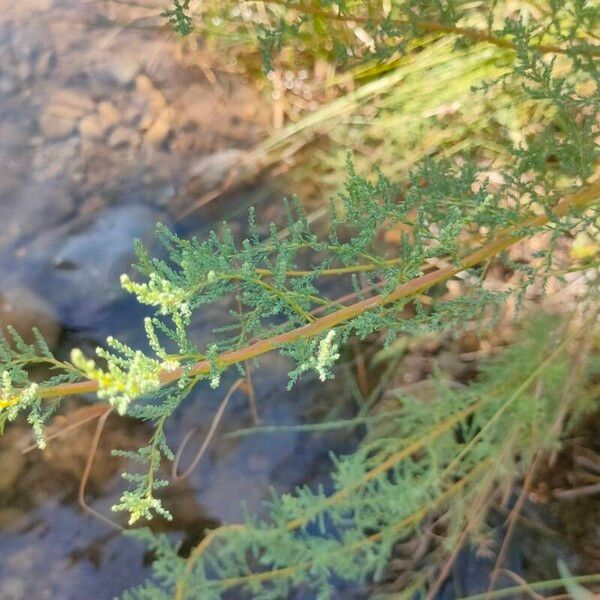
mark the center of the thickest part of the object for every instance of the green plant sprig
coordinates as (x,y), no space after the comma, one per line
(578,201)
(436,459)
(131,376)
(452,219)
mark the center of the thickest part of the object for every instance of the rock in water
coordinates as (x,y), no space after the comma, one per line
(13,462)
(123,68)
(34,207)
(24,310)
(123,137)
(90,128)
(62,112)
(79,264)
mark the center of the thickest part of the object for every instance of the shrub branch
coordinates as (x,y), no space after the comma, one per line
(578,201)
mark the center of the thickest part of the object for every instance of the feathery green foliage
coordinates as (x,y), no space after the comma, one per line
(20,390)
(179,18)
(454,219)
(445,454)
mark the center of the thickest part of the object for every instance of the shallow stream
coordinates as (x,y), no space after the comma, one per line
(103,120)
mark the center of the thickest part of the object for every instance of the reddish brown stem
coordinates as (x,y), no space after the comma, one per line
(583,198)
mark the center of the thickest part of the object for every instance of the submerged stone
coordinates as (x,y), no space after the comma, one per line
(79,264)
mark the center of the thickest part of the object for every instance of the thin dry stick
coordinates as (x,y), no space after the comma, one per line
(518,579)
(512,519)
(209,436)
(361,369)
(88,469)
(90,413)
(548,584)
(514,514)
(198,551)
(478,506)
(580,200)
(586,490)
(249,388)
